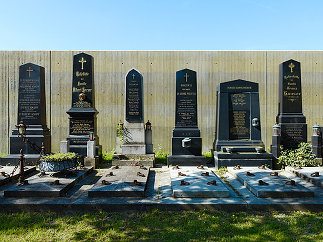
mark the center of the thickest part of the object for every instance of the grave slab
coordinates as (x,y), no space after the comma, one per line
(198,185)
(121,182)
(275,187)
(6,170)
(44,186)
(306,173)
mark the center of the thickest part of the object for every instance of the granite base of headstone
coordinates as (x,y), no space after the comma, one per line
(186,139)
(290,118)
(82,113)
(238,130)
(32,112)
(133,148)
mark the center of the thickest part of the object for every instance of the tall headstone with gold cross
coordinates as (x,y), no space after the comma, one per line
(186,140)
(32,112)
(290,115)
(82,113)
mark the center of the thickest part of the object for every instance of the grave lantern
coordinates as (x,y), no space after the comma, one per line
(277,130)
(316,130)
(148,125)
(91,135)
(21,128)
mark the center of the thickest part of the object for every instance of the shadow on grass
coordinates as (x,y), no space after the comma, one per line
(164,226)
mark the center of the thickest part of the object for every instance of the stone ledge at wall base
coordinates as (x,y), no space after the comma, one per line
(186,160)
(224,159)
(133,160)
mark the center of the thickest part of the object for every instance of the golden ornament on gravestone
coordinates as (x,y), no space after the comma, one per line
(82,96)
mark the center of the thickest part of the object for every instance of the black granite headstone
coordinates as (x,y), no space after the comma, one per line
(82,114)
(32,111)
(186,99)
(134,96)
(186,140)
(290,116)
(31,98)
(238,128)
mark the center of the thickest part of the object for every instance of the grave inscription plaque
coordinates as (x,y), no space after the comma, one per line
(134,94)
(186,99)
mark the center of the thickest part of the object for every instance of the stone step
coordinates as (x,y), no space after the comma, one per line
(276,185)
(121,182)
(198,185)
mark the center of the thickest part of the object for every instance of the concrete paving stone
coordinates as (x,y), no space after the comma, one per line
(8,171)
(198,187)
(43,186)
(306,174)
(275,188)
(122,183)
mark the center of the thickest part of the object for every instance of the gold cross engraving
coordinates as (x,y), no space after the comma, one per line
(29,70)
(186,77)
(291,66)
(133,76)
(82,61)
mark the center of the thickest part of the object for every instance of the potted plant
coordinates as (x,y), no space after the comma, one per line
(58,162)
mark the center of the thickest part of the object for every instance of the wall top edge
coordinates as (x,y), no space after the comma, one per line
(164,50)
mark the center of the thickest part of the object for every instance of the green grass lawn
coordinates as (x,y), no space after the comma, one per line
(163,226)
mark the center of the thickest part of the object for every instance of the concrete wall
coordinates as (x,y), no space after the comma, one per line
(158,69)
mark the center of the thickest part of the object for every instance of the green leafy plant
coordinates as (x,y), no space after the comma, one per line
(160,155)
(302,156)
(107,156)
(120,133)
(208,155)
(59,157)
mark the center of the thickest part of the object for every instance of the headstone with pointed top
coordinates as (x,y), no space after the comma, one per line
(290,115)
(82,113)
(133,148)
(186,140)
(32,112)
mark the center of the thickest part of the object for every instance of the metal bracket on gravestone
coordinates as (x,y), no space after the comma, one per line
(186,143)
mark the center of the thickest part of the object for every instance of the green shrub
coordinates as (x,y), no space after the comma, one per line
(302,156)
(59,157)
